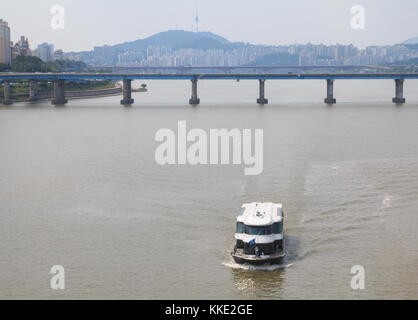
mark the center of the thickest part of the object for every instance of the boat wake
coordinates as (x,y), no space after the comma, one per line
(267,267)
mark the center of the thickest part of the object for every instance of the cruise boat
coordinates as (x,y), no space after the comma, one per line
(260,236)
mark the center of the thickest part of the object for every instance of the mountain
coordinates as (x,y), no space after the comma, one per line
(176,39)
(411,41)
(173,38)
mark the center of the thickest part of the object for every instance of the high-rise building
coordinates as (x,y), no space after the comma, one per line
(59,55)
(21,48)
(15,51)
(45,52)
(5,50)
(23,44)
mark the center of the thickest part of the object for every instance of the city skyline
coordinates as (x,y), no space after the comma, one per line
(182,48)
(274,24)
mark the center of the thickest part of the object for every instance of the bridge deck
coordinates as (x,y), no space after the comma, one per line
(203,76)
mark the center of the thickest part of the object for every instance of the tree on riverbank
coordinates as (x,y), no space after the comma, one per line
(31,64)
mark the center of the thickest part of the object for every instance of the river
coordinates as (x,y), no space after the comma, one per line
(79,187)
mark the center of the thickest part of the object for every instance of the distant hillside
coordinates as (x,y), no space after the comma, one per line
(412,46)
(205,43)
(176,39)
(172,38)
(410,41)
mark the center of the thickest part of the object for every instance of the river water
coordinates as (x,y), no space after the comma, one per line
(79,187)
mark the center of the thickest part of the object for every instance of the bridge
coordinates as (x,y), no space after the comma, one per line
(244,69)
(59,80)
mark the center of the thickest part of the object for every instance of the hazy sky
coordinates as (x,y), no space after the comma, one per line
(92,23)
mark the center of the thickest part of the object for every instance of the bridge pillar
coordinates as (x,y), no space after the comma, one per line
(33,86)
(262,99)
(194,99)
(399,91)
(59,92)
(6,99)
(127,93)
(330,92)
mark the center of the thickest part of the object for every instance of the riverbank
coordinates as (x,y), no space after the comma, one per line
(112,89)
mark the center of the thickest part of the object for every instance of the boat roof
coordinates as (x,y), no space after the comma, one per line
(260,213)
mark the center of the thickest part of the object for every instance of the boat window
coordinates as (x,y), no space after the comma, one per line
(240,227)
(242,211)
(278,227)
(258,231)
